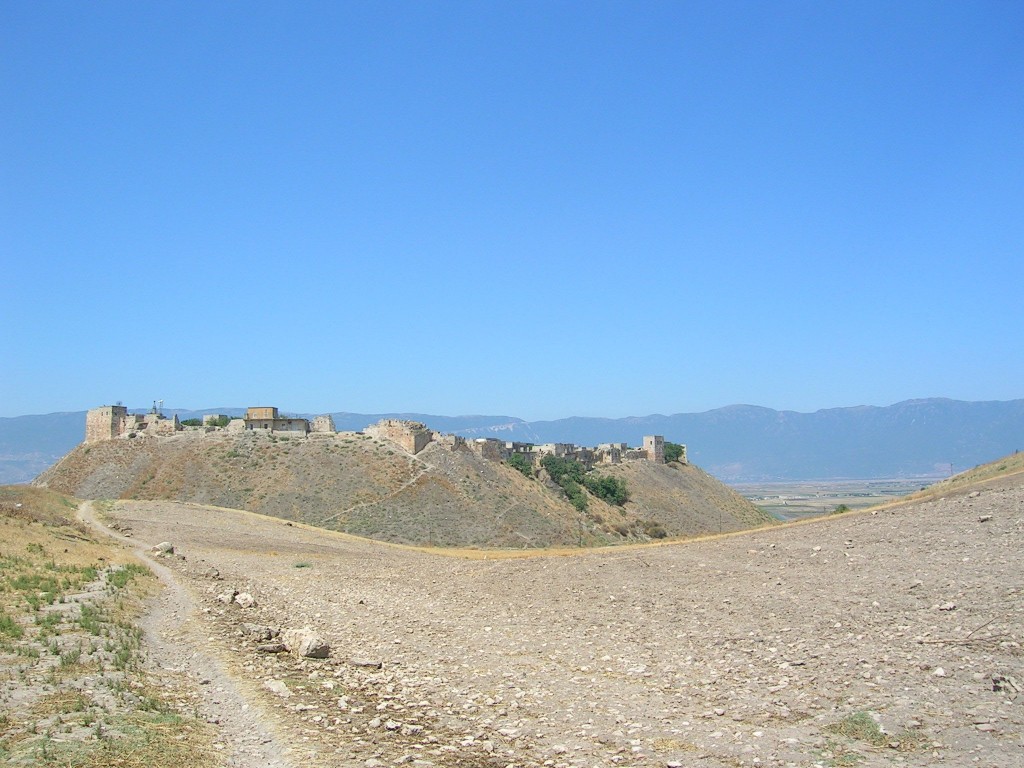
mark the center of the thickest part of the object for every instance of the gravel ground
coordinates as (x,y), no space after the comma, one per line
(877,638)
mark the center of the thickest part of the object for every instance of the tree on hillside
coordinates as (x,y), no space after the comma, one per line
(673,452)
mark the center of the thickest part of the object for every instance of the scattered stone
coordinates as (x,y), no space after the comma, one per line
(305,642)
(260,632)
(245,600)
(212,573)
(371,663)
(939,672)
(277,687)
(271,648)
(227,597)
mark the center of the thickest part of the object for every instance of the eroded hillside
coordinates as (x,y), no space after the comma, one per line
(371,487)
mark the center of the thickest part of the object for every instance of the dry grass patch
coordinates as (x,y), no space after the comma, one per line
(72,689)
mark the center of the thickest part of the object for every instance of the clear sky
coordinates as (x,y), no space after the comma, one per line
(539,209)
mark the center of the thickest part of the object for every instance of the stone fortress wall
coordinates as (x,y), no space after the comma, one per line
(110,422)
(413,437)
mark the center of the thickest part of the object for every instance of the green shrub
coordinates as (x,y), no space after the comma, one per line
(860,726)
(609,489)
(122,576)
(520,462)
(9,627)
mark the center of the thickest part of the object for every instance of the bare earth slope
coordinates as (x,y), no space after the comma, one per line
(872,639)
(358,484)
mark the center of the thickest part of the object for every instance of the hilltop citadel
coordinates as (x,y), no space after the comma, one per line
(111,422)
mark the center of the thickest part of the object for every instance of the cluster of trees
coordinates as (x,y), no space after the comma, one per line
(571,476)
(567,473)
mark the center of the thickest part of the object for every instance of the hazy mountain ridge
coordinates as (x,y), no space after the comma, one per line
(737,442)
(745,442)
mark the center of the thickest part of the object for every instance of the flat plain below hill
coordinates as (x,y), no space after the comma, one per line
(358,484)
(879,638)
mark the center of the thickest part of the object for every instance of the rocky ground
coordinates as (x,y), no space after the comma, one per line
(878,638)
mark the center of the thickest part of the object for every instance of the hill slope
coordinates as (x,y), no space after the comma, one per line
(370,487)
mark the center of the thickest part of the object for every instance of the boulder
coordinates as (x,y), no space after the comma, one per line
(305,642)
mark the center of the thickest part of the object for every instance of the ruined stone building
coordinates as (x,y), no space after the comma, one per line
(411,435)
(267,418)
(323,425)
(111,421)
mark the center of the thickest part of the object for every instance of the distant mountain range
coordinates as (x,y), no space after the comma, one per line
(738,443)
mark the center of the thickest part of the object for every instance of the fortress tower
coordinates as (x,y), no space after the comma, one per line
(654,445)
(105,423)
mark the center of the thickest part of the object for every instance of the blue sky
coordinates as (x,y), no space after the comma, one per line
(539,209)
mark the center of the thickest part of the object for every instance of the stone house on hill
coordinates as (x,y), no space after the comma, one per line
(268,418)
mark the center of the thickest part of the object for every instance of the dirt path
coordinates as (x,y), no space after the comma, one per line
(178,646)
